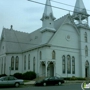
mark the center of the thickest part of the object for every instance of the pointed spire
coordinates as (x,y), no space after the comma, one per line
(80,14)
(48,11)
(48,18)
(80,8)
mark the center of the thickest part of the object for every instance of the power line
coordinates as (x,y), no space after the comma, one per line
(57,7)
(49,5)
(67,4)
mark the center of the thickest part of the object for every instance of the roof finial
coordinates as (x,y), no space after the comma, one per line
(11,27)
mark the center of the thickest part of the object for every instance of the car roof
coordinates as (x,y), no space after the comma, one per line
(6,76)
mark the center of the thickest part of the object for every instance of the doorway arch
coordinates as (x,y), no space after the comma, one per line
(86,68)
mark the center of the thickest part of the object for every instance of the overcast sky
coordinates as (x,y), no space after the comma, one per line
(25,15)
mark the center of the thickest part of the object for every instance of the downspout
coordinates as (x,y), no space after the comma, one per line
(37,63)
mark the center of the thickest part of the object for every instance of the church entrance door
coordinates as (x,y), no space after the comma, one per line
(86,69)
(86,72)
(42,68)
(50,69)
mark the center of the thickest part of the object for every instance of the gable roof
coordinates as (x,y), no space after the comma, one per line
(59,21)
(17,42)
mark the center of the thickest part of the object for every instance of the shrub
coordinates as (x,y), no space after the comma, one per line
(18,75)
(29,75)
(3,75)
(67,78)
(79,78)
(74,78)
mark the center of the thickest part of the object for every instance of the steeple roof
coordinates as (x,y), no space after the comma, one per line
(80,8)
(48,10)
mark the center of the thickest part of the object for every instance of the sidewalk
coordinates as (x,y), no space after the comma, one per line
(76,81)
(30,83)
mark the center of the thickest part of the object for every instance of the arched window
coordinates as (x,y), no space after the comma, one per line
(85,37)
(40,55)
(29,61)
(73,65)
(25,62)
(4,65)
(63,64)
(86,64)
(68,64)
(34,64)
(86,51)
(12,63)
(16,63)
(53,55)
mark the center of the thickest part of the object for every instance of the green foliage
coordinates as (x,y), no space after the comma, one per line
(74,78)
(3,75)
(18,75)
(29,75)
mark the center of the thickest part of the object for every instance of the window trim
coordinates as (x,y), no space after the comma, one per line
(63,64)
(17,63)
(12,63)
(53,54)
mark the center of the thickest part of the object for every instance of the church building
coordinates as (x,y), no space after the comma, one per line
(60,47)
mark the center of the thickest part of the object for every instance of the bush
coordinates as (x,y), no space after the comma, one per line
(79,78)
(74,78)
(3,75)
(67,78)
(29,75)
(18,75)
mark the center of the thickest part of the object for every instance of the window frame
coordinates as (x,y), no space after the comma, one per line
(53,54)
(34,64)
(40,55)
(68,64)
(86,37)
(73,65)
(63,64)
(12,63)
(86,50)
(24,62)
(17,63)
(29,61)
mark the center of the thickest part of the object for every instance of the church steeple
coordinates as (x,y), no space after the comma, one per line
(80,13)
(48,18)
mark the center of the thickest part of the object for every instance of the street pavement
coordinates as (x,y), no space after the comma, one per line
(68,86)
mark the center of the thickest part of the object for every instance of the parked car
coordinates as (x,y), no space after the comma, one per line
(50,81)
(10,81)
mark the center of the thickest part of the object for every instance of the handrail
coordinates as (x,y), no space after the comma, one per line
(56,74)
